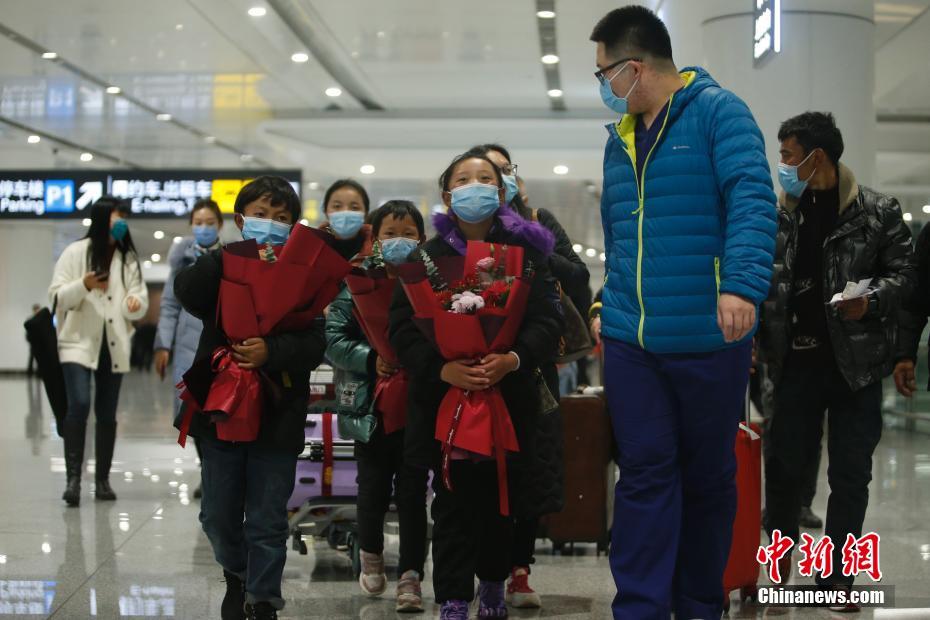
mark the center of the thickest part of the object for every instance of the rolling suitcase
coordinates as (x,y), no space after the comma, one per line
(742,572)
(589,475)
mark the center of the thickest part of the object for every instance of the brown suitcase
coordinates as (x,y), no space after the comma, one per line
(589,475)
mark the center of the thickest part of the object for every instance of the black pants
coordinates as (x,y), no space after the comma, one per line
(381,473)
(809,482)
(470,537)
(854,427)
(524,541)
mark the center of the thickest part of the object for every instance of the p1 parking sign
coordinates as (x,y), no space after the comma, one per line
(59,195)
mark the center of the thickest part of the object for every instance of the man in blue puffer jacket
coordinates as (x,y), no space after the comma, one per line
(689,223)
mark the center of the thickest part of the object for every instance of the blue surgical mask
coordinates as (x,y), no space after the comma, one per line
(206,235)
(612,101)
(788,178)
(119,230)
(475,202)
(511,187)
(264,231)
(397,249)
(346,224)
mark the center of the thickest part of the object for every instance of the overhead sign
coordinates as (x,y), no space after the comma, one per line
(766,29)
(31,194)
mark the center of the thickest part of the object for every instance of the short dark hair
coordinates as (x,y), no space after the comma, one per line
(398,209)
(342,183)
(814,130)
(445,177)
(634,30)
(484,149)
(278,190)
(206,203)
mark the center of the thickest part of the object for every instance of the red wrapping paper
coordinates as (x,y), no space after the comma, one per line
(371,297)
(258,299)
(475,421)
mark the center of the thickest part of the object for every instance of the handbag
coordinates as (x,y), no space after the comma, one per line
(575,342)
(43,339)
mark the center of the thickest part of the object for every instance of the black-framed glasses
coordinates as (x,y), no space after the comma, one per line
(601,75)
(509,169)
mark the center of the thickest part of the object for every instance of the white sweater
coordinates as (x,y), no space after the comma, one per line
(82,314)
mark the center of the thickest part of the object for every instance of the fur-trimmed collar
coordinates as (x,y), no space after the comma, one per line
(534,234)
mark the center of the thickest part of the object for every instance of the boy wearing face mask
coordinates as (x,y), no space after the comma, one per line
(826,358)
(246,485)
(346,205)
(398,229)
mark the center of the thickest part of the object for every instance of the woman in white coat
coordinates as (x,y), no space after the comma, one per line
(97,290)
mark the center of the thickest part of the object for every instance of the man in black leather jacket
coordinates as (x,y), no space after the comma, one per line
(822,356)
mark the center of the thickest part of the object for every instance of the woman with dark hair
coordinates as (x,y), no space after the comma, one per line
(470,537)
(98,291)
(546,496)
(346,206)
(179,330)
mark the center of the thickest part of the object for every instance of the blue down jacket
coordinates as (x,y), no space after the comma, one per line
(701,222)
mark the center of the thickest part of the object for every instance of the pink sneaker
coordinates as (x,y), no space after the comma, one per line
(373,581)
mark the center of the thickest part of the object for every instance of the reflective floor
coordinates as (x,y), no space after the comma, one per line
(145,556)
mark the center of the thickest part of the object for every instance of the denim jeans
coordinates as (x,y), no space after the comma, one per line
(77,387)
(244,512)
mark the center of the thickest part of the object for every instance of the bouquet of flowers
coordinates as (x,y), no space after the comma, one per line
(285,292)
(372,292)
(479,313)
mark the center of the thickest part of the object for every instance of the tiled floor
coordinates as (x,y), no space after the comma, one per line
(146,556)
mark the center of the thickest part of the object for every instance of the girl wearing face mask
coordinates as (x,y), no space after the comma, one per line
(97,291)
(470,537)
(544,491)
(178,330)
(346,206)
(398,229)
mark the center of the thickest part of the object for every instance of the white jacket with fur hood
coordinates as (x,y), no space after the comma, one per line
(82,315)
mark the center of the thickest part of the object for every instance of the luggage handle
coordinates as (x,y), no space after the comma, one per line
(744,425)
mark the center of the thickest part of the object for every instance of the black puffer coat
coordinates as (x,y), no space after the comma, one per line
(536,344)
(547,494)
(294,353)
(870,240)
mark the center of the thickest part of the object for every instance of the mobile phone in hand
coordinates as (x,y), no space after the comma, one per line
(102,276)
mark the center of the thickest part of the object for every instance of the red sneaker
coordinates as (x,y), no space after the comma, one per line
(847,608)
(519,593)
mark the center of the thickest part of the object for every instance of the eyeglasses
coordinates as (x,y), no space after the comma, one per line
(601,75)
(509,169)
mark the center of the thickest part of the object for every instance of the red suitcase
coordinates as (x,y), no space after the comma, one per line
(742,572)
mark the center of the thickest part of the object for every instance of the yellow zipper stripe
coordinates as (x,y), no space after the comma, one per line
(717,274)
(641,190)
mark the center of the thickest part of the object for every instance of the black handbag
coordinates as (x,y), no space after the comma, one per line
(43,339)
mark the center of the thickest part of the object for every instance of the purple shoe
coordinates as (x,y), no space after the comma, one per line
(454,610)
(491,603)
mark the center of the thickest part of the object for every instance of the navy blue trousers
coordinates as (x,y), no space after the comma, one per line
(675,419)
